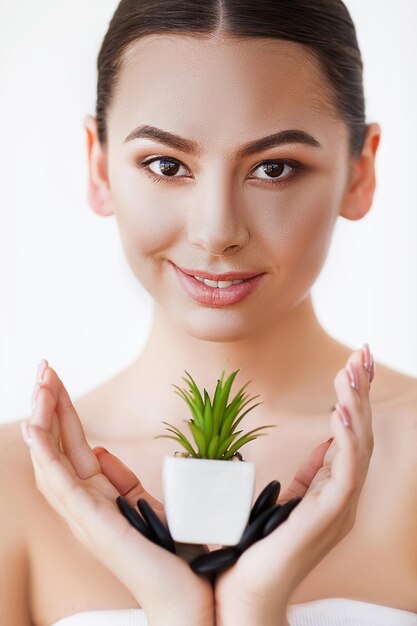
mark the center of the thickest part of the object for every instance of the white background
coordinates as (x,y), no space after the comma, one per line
(67,293)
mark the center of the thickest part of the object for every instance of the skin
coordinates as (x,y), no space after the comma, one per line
(221,210)
(81,484)
(284,230)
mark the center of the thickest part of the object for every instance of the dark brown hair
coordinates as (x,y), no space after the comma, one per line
(323,27)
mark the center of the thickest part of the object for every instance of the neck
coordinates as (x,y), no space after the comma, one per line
(291,366)
(280,360)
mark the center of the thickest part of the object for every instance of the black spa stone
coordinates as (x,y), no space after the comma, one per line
(134,518)
(215,561)
(254,531)
(162,534)
(266,499)
(279,516)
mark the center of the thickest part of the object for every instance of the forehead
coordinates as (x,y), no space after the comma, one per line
(232,84)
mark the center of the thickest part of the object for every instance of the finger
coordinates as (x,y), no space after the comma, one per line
(345,471)
(368,361)
(306,472)
(125,481)
(357,359)
(72,438)
(44,412)
(356,400)
(44,416)
(44,454)
(63,488)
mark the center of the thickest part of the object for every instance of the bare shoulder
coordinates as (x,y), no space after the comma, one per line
(12,445)
(395,393)
(394,407)
(16,484)
(16,470)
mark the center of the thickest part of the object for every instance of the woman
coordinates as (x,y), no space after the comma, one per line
(187,94)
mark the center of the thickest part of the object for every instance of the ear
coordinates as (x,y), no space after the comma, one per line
(360,187)
(99,195)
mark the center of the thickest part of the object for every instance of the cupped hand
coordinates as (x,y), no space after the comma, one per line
(329,482)
(126,482)
(70,476)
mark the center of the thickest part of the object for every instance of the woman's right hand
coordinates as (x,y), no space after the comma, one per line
(126,482)
(70,477)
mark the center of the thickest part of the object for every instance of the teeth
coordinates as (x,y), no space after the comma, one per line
(221,284)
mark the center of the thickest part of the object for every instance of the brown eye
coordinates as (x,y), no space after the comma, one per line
(275,169)
(165,166)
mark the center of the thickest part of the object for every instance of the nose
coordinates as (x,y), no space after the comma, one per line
(214,221)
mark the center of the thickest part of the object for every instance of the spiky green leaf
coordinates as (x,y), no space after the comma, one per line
(212,449)
(196,413)
(229,425)
(234,406)
(239,419)
(196,392)
(236,400)
(207,416)
(217,391)
(239,443)
(183,441)
(220,406)
(226,443)
(244,439)
(199,438)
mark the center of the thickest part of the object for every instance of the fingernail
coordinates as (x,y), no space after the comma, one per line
(40,371)
(329,439)
(373,368)
(344,416)
(25,434)
(99,450)
(353,375)
(366,352)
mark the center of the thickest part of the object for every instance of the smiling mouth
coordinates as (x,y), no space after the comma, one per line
(227,277)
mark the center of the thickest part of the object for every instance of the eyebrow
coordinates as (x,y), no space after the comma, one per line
(191,147)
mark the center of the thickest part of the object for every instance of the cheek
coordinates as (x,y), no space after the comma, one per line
(299,229)
(148,222)
(147,219)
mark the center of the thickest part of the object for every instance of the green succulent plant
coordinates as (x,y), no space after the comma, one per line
(213,424)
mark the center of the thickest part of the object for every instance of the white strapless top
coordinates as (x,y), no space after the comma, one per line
(323,612)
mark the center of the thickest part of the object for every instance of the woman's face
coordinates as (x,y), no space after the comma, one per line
(214,209)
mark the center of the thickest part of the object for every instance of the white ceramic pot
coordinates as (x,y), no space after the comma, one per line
(207,501)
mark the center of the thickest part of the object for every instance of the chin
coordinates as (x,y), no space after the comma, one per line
(221,326)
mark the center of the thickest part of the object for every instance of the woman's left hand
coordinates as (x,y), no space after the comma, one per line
(329,483)
(70,477)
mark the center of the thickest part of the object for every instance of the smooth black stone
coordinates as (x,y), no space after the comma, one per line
(162,534)
(280,516)
(254,531)
(134,518)
(215,561)
(266,499)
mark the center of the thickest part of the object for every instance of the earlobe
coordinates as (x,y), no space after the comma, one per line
(361,185)
(98,194)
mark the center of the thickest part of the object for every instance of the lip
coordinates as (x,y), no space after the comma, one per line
(210,276)
(214,296)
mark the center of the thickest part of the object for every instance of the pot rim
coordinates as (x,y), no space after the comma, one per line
(193,459)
